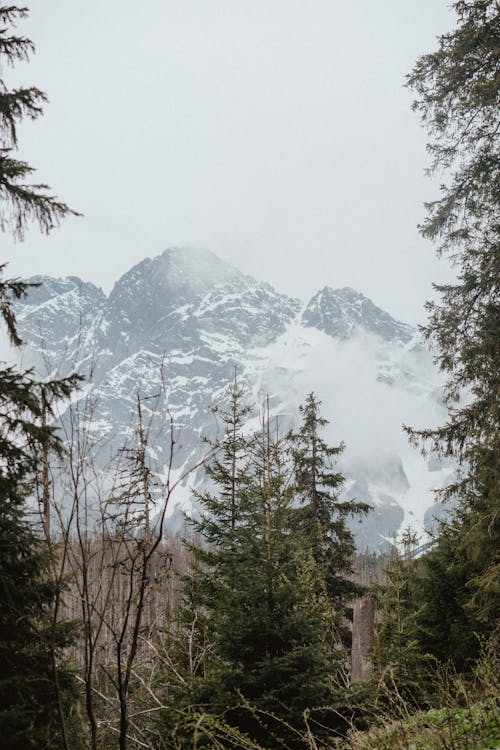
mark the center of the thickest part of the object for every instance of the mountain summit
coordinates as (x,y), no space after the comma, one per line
(341,312)
(156,286)
(175,327)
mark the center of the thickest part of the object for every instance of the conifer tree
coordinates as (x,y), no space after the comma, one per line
(189,646)
(256,591)
(456,90)
(322,514)
(20,202)
(398,654)
(32,684)
(449,607)
(34,689)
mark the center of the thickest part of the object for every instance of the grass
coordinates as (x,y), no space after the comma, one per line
(475,727)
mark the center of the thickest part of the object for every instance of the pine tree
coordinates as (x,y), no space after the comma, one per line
(322,515)
(189,650)
(32,684)
(399,656)
(450,623)
(228,470)
(34,688)
(20,203)
(277,642)
(255,589)
(457,96)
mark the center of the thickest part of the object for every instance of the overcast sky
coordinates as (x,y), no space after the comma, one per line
(277,133)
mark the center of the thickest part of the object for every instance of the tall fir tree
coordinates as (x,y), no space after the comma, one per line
(456,91)
(399,658)
(322,515)
(268,657)
(20,202)
(34,688)
(189,644)
(450,608)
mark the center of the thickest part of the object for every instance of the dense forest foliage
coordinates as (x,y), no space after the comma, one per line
(238,633)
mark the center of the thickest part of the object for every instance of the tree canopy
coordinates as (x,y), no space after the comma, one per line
(21,202)
(456,91)
(34,688)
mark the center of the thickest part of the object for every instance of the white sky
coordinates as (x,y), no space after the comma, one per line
(276,133)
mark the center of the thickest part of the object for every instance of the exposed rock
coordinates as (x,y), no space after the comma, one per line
(175,327)
(340,312)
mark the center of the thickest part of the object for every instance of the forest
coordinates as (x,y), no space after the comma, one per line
(258,626)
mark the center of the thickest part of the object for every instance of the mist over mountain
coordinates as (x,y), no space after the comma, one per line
(175,327)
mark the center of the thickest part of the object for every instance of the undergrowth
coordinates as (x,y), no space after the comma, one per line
(476,727)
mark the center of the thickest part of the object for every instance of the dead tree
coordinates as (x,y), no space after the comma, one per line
(111,565)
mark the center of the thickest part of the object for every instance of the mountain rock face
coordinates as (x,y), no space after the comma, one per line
(175,328)
(342,312)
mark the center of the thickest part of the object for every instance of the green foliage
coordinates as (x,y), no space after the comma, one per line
(450,626)
(401,661)
(477,726)
(29,696)
(464,713)
(33,688)
(256,641)
(457,97)
(441,608)
(322,516)
(20,203)
(36,691)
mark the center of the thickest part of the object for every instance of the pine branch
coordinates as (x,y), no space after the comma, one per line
(14,105)
(10,13)
(11,289)
(26,203)
(13,48)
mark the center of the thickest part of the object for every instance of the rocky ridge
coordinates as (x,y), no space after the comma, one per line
(175,327)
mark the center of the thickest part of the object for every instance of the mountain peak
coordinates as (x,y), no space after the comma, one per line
(341,312)
(50,287)
(179,323)
(200,267)
(154,287)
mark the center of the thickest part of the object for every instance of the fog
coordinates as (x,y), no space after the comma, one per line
(368,389)
(276,133)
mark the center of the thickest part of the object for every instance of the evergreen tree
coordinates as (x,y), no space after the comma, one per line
(34,689)
(399,656)
(228,470)
(256,588)
(450,621)
(322,515)
(189,646)
(20,203)
(185,653)
(32,684)
(457,96)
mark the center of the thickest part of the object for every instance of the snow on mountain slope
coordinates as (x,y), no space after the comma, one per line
(61,320)
(174,328)
(366,408)
(342,312)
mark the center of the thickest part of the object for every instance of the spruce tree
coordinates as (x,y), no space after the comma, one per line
(33,687)
(456,90)
(20,202)
(189,643)
(322,515)
(399,657)
(449,609)
(274,633)
(35,691)
(267,656)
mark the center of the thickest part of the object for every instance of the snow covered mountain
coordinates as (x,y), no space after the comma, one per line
(175,327)
(343,312)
